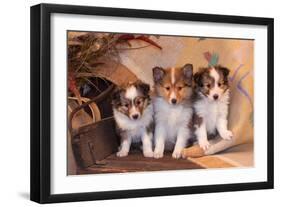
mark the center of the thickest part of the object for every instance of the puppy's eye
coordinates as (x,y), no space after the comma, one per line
(220,84)
(167,88)
(126,105)
(208,85)
(138,102)
(179,88)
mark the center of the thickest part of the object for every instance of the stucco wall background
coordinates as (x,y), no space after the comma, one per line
(235,54)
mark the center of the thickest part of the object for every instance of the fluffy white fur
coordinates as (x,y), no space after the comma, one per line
(171,126)
(214,114)
(135,131)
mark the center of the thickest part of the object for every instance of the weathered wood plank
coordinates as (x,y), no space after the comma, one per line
(135,162)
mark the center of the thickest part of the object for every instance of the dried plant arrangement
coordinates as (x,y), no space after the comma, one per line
(89,51)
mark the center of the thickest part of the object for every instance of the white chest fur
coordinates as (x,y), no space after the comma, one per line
(171,117)
(211,110)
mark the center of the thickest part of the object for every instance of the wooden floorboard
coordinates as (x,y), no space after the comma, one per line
(135,162)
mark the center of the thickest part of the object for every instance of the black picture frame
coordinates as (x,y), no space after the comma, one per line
(41,99)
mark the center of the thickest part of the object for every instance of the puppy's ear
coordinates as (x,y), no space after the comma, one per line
(225,71)
(158,74)
(196,78)
(145,88)
(188,73)
(115,97)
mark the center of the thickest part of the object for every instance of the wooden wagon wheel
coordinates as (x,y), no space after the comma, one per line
(95,100)
(96,116)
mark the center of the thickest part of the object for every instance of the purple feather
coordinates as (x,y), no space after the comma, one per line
(242,90)
(235,72)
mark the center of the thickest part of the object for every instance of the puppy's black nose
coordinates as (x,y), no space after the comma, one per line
(135,116)
(174,101)
(216,96)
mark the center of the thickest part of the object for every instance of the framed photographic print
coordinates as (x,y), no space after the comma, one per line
(133,103)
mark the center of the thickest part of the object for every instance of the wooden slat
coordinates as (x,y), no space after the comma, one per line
(135,162)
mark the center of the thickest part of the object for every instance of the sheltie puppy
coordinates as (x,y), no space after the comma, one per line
(133,114)
(211,104)
(173,109)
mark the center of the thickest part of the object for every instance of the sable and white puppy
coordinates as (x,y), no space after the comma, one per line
(133,114)
(173,108)
(211,104)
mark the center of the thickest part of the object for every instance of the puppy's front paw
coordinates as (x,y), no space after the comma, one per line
(177,154)
(148,153)
(227,135)
(122,153)
(158,154)
(204,144)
